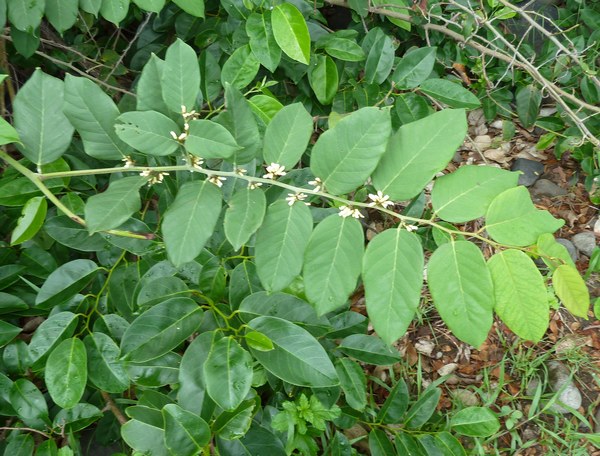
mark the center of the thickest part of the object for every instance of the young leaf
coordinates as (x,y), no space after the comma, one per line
(512,219)
(475,422)
(180,77)
(521,297)
(258,341)
(392,274)
(529,99)
(240,69)
(380,56)
(287,135)
(417,151)
(262,41)
(62,14)
(49,334)
(571,290)
(379,443)
(31,220)
(66,372)
(65,282)
(228,373)
(369,349)
(38,118)
(190,220)
(208,139)
(193,7)
(105,370)
(467,193)
(93,114)
(148,132)
(414,68)
(353,382)
(553,253)
(323,78)
(186,434)
(462,290)
(421,411)
(112,208)
(280,244)
(244,215)
(450,93)
(114,10)
(291,32)
(265,107)
(297,357)
(395,405)
(345,155)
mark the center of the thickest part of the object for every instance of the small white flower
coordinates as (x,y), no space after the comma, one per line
(146,172)
(188,115)
(195,162)
(128,162)
(411,227)
(293,197)
(240,171)
(380,199)
(317,184)
(179,138)
(217,180)
(254,185)
(155,178)
(349,211)
(274,170)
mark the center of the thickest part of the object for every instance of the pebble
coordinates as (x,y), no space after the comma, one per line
(585,242)
(570,248)
(468,398)
(447,369)
(482,142)
(544,187)
(597,227)
(559,379)
(531,171)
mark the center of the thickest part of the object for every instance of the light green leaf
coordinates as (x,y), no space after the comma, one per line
(228,373)
(291,32)
(345,155)
(258,341)
(180,77)
(190,220)
(379,443)
(193,7)
(323,78)
(262,41)
(395,6)
(90,6)
(449,444)
(31,220)
(49,334)
(353,382)
(25,15)
(450,93)
(417,151)
(521,297)
(112,208)
(7,133)
(244,215)
(148,132)
(66,372)
(414,68)
(462,290)
(297,357)
(475,422)
(240,69)
(571,290)
(105,371)
(154,6)
(265,107)
(93,114)
(512,219)
(7,332)
(369,349)
(380,56)
(393,277)
(343,49)
(62,14)
(29,403)
(186,434)
(332,262)
(280,244)
(38,118)
(145,438)
(528,99)
(160,329)
(234,425)
(208,139)
(467,193)
(65,282)
(114,10)
(553,253)
(287,135)
(149,88)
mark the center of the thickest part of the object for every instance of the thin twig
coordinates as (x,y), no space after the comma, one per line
(8,428)
(113,408)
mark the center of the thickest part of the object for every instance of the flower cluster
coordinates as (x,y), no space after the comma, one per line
(380,200)
(349,211)
(217,180)
(154,177)
(187,116)
(317,184)
(293,197)
(274,170)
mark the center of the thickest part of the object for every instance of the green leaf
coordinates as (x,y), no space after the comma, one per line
(450,93)
(90,6)
(287,135)
(332,262)
(395,405)
(353,382)
(29,403)
(323,78)
(25,15)
(297,357)
(521,297)
(343,48)
(528,99)
(110,209)
(65,282)
(190,220)
(379,443)
(105,370)
(462,290)
(240,69)
(62,14)
(449,444)
(244,215)
(44,130)
(148,132)
(186,434)
(262,41)
(208,139)
(475,422)
(417,151)
(380,56)
(149,88)
(406,444)
(234,425)
(93,114)
(291,32)
(160,329)
(154,6)
(31,220)
(180,79)
(512,219)
(345,155)
(7,332)
(553,253)
(421,411)
(20,445)
(7,133)
(410,107)
(193,7)
(49,334)
(369,349)
(280,244)
(258,341)
(77,418)
(392,274)
(571,290)
(414,68)
(144,438)
(66,372)
(467,193)
(265,107)
(228,373)
(114,10)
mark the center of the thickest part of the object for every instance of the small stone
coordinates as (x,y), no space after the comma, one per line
(482,142)
(585,242)
(447,369)
(570,248)
(560,379)
(544,187)
(498,155)
(424,346)
(497,124)
(597,227)
(531,171)
(466,397)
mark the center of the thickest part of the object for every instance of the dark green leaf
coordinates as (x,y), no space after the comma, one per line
(29,403)
(422,410)
(105,370)
(380,56)
(240,69)
(369,349)
(414,68)
(185,433)
(529,99)
(7,332)
(262,41)
(353,382)
(395,405)
(50,333)
(208,139)
(379,443)
(66,372)
(323,78)
(65,282)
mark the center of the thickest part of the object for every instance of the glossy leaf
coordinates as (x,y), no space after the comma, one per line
(240,69)
(280,244)
(345,155)
(395,405)
(379,443)
(62,14)
(66,372)
(65,282)
(475,422)
(38,118)
(323,78)
(29,403)
(462,290)
(105,370)
(512,219)
(414,68)
(148,132)
(291,32)
(343,49)
(421,411)
(208,139)
(572,290)
(77,418)
(450,93)
(20,445)
(353,382)
(287,135)
(31,220)
(262,41)
(7,332)
(244,215)
(417,151)
(380,56)
(160,329)
(49,334)
(185,433)
(258,341)
(521,296)
(392,274)
(144,437)
(180,80)
(369,349)
(190,220)
(235,424)
(297,357)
